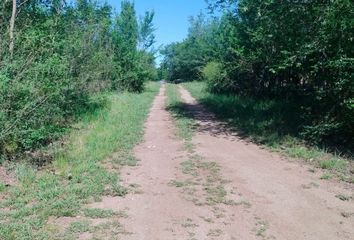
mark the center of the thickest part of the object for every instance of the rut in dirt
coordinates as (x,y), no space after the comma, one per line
(225,188)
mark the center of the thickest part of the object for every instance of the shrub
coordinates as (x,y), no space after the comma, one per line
(216,77)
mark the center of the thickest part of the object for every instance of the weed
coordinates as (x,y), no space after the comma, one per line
(208,220)
(2,187)
(98,213)
(343,197)
(326,176)
(261,228)
(79,227)
(189,224)
(215,233)
(180,184)
(333,164)
(346,214)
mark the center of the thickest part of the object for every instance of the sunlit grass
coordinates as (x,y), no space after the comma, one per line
(76,174)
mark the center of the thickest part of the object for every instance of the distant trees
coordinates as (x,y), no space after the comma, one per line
(133,41)
(186,59)
(299,52)
(54,55)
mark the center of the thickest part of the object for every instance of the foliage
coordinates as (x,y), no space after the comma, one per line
(185,60)
(216,77)
(77,175)
(273,123)
(137,65)
(64,53)
(298,52)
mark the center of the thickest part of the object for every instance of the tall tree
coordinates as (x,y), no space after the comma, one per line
(126,36)
(12,27)
(146,31)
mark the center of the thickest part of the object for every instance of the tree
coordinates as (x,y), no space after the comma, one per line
(64,54)
(300,53)
(126,40)
(185,60)
(12,27)
(146,31)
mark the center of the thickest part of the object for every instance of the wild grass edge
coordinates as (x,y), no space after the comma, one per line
(76,175)
(242,114)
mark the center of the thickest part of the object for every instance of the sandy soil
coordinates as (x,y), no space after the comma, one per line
(290,200)
(225,188)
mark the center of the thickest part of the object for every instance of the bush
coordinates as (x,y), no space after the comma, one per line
(63,55)
(216,78)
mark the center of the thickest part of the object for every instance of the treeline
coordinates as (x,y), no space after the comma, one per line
(55,54)
(299,53)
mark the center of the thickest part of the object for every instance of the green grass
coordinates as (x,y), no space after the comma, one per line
(79,227)
(343,197)
(98,213)
(184,123)
(2,187)
(326,176)
(273,124)
(76,174)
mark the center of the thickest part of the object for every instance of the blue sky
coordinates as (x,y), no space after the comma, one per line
(171,16)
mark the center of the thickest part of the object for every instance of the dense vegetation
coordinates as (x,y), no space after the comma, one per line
(300,55)
(78,174)
(54,55)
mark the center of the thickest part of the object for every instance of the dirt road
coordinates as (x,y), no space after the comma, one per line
(224,188)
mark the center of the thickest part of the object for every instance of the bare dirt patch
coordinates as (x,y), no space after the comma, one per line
(286,200)
(6,178)
(162,210)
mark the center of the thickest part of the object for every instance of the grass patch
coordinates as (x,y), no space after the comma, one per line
(98,213)
(334,163)
(184,123)
(2,187)
(271,123)
(343,197)
(76,174)
(79,227)
(326,176)
(215,233)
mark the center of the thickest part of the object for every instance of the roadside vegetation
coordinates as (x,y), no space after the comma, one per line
(54,55)
(75,89)
(179,113)
(260,122)
(286,82)
(77,175)
(291,61)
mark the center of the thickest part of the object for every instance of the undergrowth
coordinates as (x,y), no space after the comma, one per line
(76,175)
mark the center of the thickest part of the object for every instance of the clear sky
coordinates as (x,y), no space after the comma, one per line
(171,16)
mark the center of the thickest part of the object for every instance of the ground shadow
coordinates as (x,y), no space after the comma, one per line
(206,122)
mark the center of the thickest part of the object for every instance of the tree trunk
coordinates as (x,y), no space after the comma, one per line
(12,27)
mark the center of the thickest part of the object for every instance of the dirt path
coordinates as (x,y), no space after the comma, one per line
(224,188)
(158,211)
(285,197)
